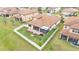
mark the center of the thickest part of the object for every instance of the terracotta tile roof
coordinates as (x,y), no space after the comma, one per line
(1,9)
(70,34)
(9,10)
(70,10)
(45,20)
(71,21)
(75,26)
(14,11)
(27,11)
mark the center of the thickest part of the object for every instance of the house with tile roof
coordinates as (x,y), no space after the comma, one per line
(27,14)
(68,12)
(43,23)
(70,31)
(8,11)
(17,17)
(21,14)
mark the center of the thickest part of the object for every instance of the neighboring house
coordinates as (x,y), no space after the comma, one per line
(21,14)
(13,11)
(17,17)
(8,11)
(70,31)
(28,14)
(43,23)
(1,11)
(53,9)
(68,12)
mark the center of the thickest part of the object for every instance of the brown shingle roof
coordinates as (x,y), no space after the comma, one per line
(45,20)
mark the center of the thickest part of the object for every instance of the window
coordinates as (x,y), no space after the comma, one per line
(29,25)
(36,28)
(44,31)
(65,26)
(7,15)
(76,31)
(66,15)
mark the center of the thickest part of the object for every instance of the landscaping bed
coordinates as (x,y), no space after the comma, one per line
(38,39)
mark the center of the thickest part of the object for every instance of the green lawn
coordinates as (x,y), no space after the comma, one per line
(40,40)
(9,40)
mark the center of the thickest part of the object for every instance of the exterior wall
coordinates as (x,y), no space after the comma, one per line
(28,17)
(27,25)
(58,22)
(31,27)
(70,30)
(25,17)
(1,13)
(54,26)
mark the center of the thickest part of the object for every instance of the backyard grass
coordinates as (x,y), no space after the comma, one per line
(38,39)
(9,40)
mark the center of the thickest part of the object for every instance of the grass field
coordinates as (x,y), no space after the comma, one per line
(9,40)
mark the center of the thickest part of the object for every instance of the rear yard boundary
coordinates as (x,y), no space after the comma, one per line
(30,41)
